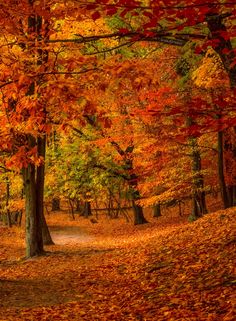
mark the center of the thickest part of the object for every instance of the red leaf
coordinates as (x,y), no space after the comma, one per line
(148,14)
(96,15)
(198,50)
(124,12)
(123,31)
(91,6)
(111,11)
(151,24)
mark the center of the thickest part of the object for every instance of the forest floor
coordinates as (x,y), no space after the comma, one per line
(166,270)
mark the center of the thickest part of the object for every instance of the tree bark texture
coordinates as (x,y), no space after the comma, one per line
(223,187)
(198,195)
(55,204)
(224,48)
(33,226)
(157,210)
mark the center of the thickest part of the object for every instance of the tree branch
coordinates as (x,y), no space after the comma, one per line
(8,83)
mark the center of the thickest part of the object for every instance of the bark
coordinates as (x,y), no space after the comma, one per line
(70,201)
(133,182)
(137,209)
(138,214)
(87,209)
(180,208)
(224,48)
(55,204)
(33,226)
(198,195)
(47,240)
(223,187)
(157,210)
(78,206)
(230,147)
(8,213)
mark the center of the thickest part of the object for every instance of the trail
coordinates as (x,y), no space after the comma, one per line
(68,235)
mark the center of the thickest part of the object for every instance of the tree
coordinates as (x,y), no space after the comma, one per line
(39,68)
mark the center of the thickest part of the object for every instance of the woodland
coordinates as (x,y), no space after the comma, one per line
(117,160)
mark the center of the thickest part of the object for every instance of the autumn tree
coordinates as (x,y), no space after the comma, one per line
(28,107)
(39,66)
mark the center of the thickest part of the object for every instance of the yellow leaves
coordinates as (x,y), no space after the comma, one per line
(211,73)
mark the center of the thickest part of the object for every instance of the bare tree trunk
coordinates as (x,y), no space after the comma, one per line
(138,214)
(87,209)
(8,213)
(34,239)
(55,204)
(198,194)
(137,209)
(71,208)
(223,187)
(157,210)
(47,239)
(224,48)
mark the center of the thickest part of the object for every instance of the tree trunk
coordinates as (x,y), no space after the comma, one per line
(79,207)
(224,48)
(133,182)
(138,214)
(223,188)
(87,209)
(230,148)
(8,213)
(47,240)
(33,226)
(198,195)
(157,210)
(180,208)
(137,209)
(70,201)
(56,204)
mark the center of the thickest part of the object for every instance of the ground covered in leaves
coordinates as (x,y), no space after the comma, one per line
(168,269)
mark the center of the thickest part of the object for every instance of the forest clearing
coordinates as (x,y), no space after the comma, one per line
(169,269)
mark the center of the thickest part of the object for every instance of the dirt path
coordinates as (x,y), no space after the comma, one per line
(68,235)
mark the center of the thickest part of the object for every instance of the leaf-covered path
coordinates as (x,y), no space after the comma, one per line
(158,271)
(70,235)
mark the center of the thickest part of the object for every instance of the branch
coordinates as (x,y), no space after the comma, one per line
(78,131)
(135,36)
(111,49)
(66,72)
(118,148)
(8,83)
(5,169)
(113,172)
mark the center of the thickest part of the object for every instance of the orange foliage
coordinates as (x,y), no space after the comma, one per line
(161,271)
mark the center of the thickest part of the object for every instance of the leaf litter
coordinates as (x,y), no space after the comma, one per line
(164,270)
